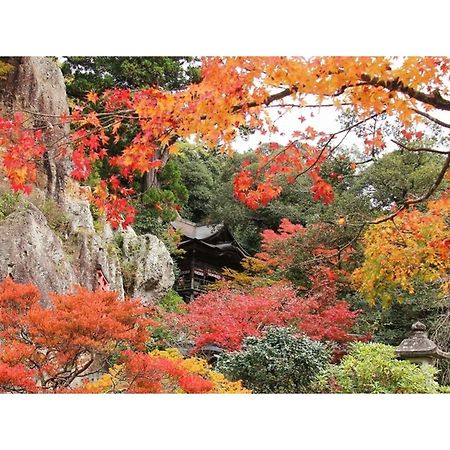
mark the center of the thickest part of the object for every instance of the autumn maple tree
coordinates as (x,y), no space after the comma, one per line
(225,317)
(413,247)
(87,334)
(302,254)
(45,349)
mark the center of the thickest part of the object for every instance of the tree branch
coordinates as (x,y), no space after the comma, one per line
(434,186)
(435,99)
(414,201)
(420,149)
(294,105)
(433,119)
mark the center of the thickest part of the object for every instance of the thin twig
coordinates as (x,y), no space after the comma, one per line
(433,119)
(421,149)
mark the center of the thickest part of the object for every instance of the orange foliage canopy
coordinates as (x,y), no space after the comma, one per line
(48,349)
(54,350)
(236,93)
(418,247)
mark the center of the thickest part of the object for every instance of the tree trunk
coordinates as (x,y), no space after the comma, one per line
(150,179)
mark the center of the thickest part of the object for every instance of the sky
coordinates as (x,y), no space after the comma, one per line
(323,118)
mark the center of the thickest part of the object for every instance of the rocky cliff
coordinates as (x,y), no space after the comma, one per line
(35,87)
(50,238)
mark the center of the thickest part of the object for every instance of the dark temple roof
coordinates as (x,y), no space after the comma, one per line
(214,236)
(194,231)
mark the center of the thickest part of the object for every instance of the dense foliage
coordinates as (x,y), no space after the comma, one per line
(374,369)
(165,372)
(89,333)
(225,317)
(280,361)
(86,74)
(418,245)
(50,348)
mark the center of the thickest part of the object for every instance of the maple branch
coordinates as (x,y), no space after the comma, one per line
(118,113)
(420,149)
(293,105)
(270,99)
(103,361)
(343,88)
(359,163)
(435,99)
(388,217)
(324,147)
(373,150)
(350,127)
(321,153)
(36,113)
(79,371)
(68,140)
(433,119)
(349,243)
(133,380)
(68,374)
(332,136)
(339,251)
(404,244)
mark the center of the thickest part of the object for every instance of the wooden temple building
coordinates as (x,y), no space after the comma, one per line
(208,250)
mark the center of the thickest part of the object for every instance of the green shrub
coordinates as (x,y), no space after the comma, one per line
(171,302)
(373,369)
(280,361)
(8,203)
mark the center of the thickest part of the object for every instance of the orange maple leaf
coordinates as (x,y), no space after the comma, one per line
(92,97)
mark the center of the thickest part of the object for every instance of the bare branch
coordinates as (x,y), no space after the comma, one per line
(366,161)
(433,119)
(350,127)
(434,186)
(420,149)
(294,105)
(421,199)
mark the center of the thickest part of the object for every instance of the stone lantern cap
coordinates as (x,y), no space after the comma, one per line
(418,345)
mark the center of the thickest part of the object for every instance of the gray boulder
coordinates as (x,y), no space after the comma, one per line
(147,267)
(31,252)
(56,255)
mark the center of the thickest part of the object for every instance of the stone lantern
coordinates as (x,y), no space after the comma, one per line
(418,348)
